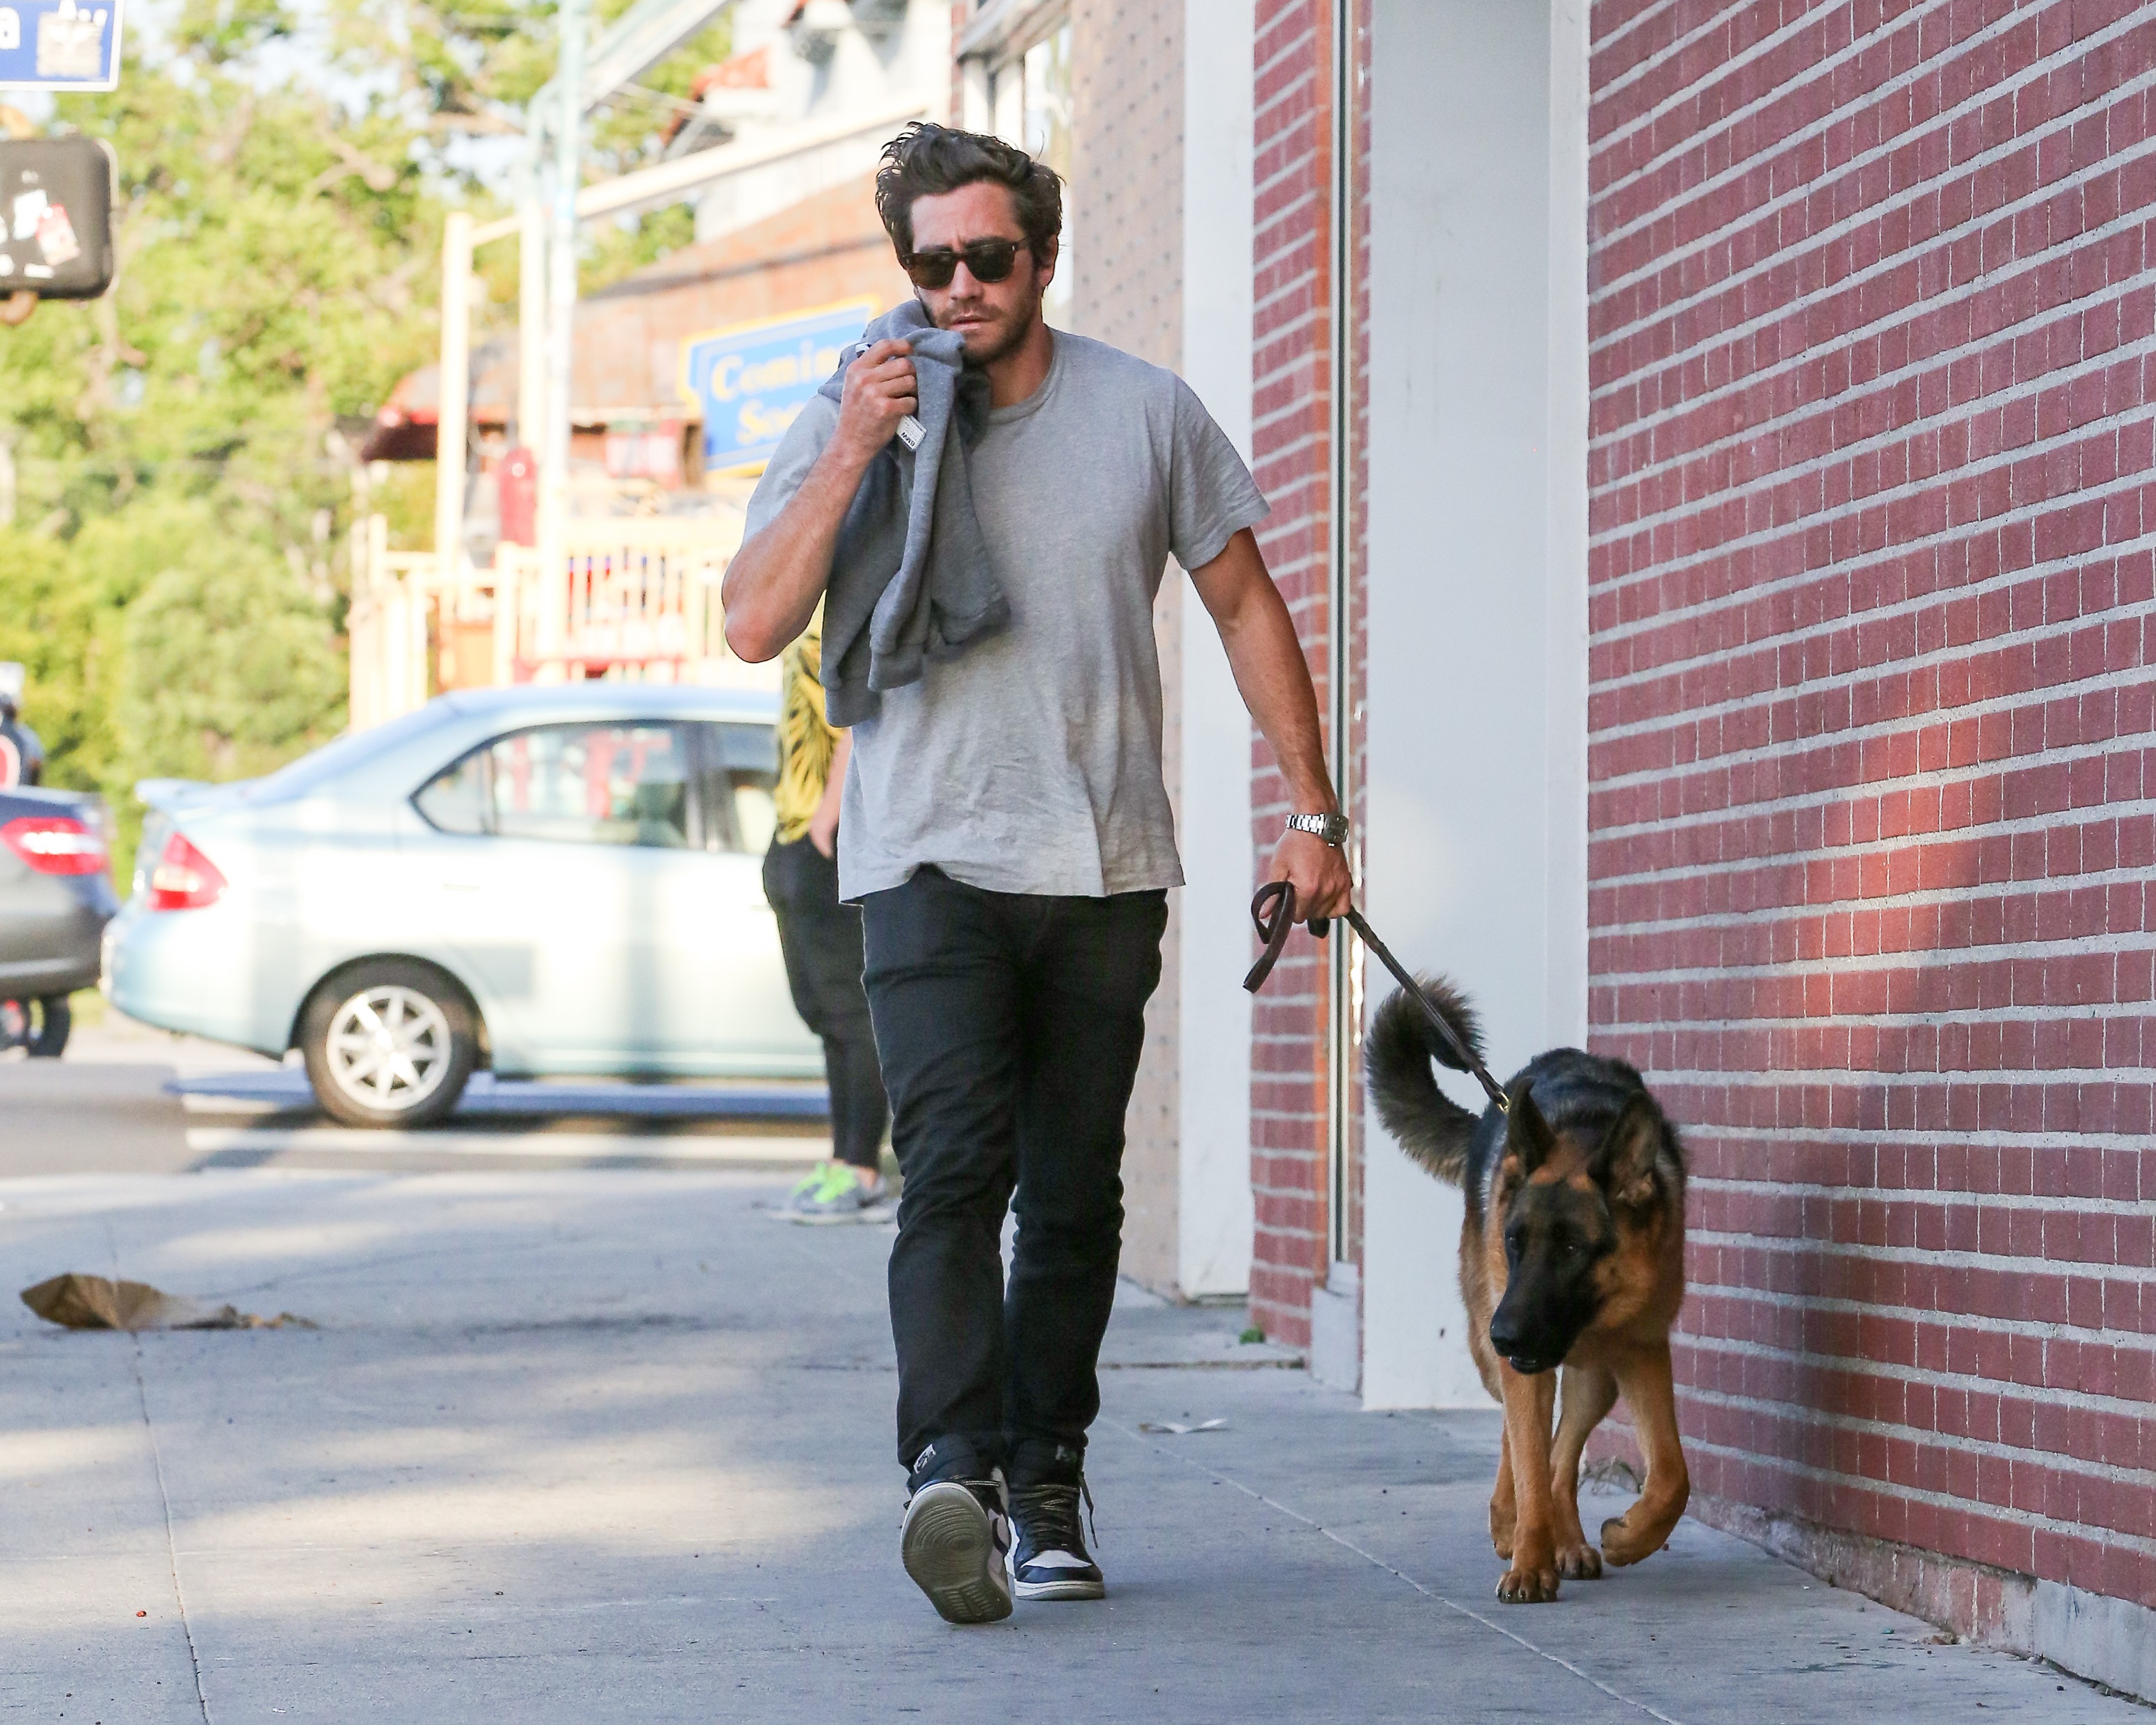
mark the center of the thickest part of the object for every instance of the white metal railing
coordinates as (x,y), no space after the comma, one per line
(636,598)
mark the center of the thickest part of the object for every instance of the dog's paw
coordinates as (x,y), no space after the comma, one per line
(1501,1523)
(1578,1562)
(1519,1586)
(1625,1542)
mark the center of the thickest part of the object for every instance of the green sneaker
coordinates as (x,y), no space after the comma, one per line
(834,1190)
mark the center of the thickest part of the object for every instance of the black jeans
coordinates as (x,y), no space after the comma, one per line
(1010,1027)
(821,940)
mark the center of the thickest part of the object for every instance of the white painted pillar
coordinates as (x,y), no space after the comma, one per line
(1214,1210)
(560,326)
(454,420)
(414,588)
(1476,673)
(531,309)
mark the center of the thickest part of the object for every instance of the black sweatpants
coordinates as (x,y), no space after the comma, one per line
(821,941)
(1010,1027)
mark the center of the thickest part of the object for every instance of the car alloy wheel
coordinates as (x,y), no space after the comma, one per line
(389,1048)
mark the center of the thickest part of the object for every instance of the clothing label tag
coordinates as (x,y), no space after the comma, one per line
(911,431)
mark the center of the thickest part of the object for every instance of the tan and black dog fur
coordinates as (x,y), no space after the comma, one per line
(1572,1253)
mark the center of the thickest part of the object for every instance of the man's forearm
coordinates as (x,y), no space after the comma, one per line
(774,580)
(1275,680)
(1270,669)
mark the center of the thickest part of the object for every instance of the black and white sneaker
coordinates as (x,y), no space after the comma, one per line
(1050,1560)
(956,1541)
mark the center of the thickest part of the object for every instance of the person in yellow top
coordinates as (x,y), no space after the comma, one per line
(821,938)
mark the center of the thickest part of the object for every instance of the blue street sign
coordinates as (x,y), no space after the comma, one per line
(59,44)
(751,380)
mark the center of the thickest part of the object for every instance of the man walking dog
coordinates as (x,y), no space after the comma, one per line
(990,505)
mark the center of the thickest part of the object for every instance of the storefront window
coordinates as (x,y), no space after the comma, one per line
(1024,95)
(1047,83)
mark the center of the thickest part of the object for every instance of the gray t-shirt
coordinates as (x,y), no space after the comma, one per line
(1031,762)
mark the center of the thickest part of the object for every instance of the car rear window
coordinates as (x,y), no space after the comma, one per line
(590,784)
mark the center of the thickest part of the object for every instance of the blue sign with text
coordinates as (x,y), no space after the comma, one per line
(59,44)
(753,380)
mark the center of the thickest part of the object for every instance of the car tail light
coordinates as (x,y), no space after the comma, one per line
(55,844)
(184,879)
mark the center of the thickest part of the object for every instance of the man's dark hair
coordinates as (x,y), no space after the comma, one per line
(927,160)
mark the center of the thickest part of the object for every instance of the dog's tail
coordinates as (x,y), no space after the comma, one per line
(1430,1127)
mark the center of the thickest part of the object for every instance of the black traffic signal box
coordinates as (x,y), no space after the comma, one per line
(56,217)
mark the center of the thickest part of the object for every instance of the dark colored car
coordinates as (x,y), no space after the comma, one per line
(55,898)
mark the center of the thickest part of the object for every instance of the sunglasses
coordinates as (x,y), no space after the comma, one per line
(989,260)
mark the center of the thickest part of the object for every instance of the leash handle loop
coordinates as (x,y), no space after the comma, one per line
(1273,911)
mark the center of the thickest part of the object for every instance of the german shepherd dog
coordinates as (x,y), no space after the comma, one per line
(1572,1255)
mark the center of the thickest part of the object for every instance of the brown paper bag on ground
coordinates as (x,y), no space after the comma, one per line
(95,1303)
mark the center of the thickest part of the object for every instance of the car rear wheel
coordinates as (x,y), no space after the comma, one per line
(39,1027)
(50,1021)
(389,1044)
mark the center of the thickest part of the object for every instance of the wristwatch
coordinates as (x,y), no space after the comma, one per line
(1332,828)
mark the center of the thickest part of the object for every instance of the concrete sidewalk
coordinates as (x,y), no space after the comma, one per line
(599,1446)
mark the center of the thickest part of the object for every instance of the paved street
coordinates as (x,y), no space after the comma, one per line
(615,1444)
(127,1099)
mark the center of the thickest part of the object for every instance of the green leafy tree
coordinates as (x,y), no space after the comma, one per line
(174,485)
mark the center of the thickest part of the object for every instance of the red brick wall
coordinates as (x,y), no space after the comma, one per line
(1290,440)
(1357,630)
(1873,501)
(1291,436)
(1292,449)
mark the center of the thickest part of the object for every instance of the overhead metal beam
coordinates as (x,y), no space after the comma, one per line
(641,38)
(668,180)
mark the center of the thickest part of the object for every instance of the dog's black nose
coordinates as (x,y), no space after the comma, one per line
(1505,1336)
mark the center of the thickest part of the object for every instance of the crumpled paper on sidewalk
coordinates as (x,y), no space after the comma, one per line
(96,1302)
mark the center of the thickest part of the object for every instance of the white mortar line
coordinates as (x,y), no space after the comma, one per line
(1914,1494)
(1884,962)
(1999,335)
(2121,489)
(1985,281)
(1784,147)
(1676,45)
(1919,1137)
(1990,1449)
(1948,1198)
(1883,670)
(1399,1575)
(1931,1317)
(1735,815)
(1900,432)
(1818,71)
(1923,778)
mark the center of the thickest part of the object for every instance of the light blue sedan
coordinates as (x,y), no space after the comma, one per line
(543,880)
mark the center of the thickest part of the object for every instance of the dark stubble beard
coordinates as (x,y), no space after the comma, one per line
(1022,328)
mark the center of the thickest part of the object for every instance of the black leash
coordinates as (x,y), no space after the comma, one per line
(1273,910)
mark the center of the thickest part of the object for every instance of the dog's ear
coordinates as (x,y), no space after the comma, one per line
(1528,1135)
(1624,1163)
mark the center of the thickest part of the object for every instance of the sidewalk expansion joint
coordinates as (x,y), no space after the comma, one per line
(1428,1593)
(164,1497)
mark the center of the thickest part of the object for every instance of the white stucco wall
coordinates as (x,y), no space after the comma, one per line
(1215,1218)
(1476,672)
(856,69)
